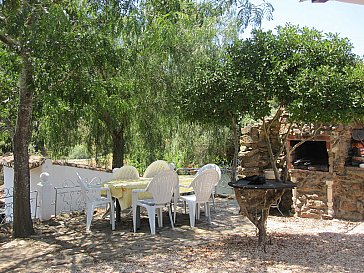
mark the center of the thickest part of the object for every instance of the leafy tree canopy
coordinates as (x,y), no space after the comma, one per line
(315,76)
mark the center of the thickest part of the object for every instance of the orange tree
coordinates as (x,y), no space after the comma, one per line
(312,76)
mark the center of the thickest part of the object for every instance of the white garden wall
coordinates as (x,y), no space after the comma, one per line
(57,193)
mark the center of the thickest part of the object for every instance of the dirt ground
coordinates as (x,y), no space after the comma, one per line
(227,245)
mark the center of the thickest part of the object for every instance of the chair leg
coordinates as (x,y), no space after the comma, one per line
(192,212)
(170,215)
(208,212)
(89,215)
(151,216)
(112,215)
(174,211)
(213,200)
(160,217)
(280,210)
(198,211)
(134,217)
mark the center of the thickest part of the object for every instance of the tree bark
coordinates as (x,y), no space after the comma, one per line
(22,222)
(236,147)
(118,149)
(255,205)
(267,131)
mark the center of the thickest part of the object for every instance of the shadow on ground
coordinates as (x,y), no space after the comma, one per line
(62,245)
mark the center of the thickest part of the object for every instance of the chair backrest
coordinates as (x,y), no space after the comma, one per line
(156,167)
(204,184)
(162,186)
(84,187)
(126,172)
(172,167)
(210,167)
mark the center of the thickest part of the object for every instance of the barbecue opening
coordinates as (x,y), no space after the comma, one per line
(311,155)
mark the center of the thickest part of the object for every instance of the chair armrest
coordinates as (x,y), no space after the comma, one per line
(96,181)
(182,186)
(101,190)
(138,190)
(135,195)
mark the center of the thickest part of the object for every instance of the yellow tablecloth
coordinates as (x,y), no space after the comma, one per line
(122,189)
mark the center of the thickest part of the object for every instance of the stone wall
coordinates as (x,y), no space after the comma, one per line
(314,197)
(310,196)
(348,192)
(253,153)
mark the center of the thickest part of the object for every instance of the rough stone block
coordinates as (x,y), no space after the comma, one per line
(245,148)
(246,130)
(311,215)
(245,139)
(348,206)
(248,153)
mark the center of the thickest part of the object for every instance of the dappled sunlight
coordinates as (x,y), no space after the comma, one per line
(228,244)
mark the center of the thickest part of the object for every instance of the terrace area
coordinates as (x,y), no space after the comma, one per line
(229,244)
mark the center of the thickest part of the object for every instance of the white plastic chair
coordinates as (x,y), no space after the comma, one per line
(125,172)
(203,186)
(172,167)
(156,167)
(211,167)
(92,195)
(162,187)
(275,205)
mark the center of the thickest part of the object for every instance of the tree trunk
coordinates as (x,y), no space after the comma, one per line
(262,227)
(236,147)
(22,222)
(255,204)
(117,149)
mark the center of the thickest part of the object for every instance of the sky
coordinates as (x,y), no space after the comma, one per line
(333,16)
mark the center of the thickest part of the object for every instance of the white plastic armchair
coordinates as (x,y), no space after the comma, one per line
(156,167)
(203,186)
(172,167)
(162,187)
(93,198)
(125,172)
(211,167)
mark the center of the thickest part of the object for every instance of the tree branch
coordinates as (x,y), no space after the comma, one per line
(61,81)
(306,139)
(9,127)
(10,42)
(236,146)
(283,141)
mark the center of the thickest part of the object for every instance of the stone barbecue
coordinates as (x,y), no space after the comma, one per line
(325,168)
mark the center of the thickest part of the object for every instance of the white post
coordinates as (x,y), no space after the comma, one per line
(294,196)
(45,197)
(330,204)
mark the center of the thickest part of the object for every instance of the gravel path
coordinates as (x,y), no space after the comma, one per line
(228,245)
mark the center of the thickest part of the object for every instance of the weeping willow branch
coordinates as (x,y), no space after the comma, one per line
(9,126)
(13,44)
(306,139)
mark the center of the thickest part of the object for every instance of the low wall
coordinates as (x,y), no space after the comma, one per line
(60,188)
(310,196)
(338,193)
(348,190)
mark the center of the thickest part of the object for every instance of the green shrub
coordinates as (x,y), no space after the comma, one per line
(79,152)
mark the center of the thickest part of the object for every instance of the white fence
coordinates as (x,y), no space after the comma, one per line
(54,190)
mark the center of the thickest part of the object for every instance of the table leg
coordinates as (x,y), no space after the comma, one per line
(117,211)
